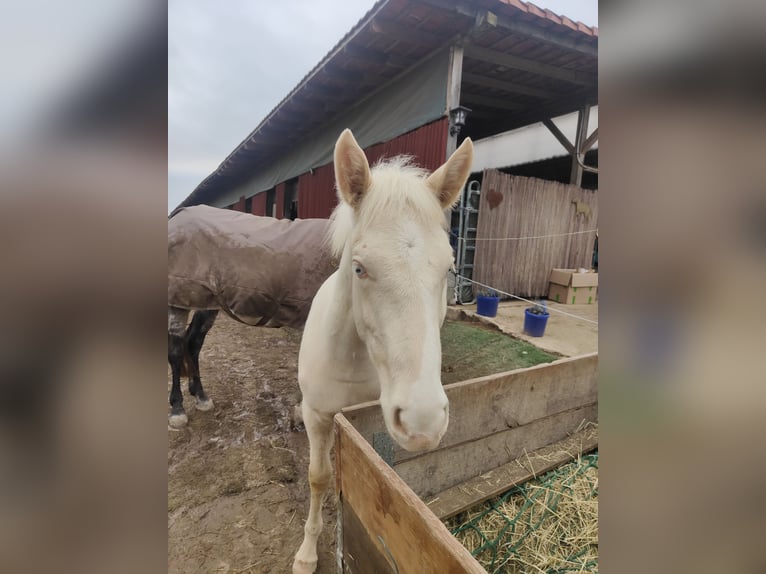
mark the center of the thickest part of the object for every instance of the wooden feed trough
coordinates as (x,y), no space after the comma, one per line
(503,430)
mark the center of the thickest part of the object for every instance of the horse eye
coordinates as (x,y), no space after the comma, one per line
(360,271)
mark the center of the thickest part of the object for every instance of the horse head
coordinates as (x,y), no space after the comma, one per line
(391,230)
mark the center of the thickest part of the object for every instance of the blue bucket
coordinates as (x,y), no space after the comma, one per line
(487,306)
(534,325)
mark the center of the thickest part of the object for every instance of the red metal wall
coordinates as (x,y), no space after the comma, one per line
(427,144)
(259,204)
(316,193)
(240,205)
(280,200)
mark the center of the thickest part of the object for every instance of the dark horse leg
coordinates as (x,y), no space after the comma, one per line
(176,354)
(201,323)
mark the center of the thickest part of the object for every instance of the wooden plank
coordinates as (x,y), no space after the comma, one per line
(360,554)
(492,102)
(395,519)
(505,400)
(365,55)
(331,70)
(439,470)
(454,81)
(475,52)
(577,158)
(402,33)
(455,77)
(511,87)
(476,490)
(579,43)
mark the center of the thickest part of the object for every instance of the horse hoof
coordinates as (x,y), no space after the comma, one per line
(301,567)
(205,405)
(178,421)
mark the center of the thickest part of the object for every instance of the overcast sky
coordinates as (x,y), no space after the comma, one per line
(230,63)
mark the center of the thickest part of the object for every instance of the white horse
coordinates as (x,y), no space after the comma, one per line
(373,328)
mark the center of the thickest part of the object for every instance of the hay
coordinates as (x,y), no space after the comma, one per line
(549,524)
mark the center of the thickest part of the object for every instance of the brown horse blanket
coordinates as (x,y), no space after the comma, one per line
(259,270)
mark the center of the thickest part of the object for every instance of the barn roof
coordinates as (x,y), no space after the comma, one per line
(521,60)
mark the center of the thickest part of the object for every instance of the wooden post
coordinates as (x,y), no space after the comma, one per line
(578,156)
(581,145)
(454,78)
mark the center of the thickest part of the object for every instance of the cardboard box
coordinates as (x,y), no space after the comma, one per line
(573,288)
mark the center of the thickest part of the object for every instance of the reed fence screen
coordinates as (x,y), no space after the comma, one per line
(528,226)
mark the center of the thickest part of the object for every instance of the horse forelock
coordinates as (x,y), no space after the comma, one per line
(397,186)
(341,224)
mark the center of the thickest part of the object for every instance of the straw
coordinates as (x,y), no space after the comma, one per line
(549,524)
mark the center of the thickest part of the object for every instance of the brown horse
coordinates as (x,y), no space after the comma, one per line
(259,270)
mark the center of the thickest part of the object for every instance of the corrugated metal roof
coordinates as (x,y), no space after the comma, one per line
(521,60)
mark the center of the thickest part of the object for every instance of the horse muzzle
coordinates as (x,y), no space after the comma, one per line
(428,439)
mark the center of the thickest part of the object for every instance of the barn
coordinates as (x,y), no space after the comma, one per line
(417,77)
(412,77)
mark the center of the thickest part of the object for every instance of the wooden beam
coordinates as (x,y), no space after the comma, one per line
(454,84)
(365,54)
(476,490)
(374,57)
(403,33)
(550,34)
(592,139)
(575,176)
(335,70)
(506,86)
(397,522)
(545,35)
(510,61)
(492,102)
(559,136)
(322,91)
(455,77)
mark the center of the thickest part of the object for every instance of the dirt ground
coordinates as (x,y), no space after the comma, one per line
(237,475)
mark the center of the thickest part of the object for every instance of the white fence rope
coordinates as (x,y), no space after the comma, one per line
(525,300)
(532,236)
(523,238)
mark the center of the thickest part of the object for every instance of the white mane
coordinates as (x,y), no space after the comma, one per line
(397,186)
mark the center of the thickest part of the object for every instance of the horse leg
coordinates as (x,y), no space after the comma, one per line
(195,337)
(319,428)
(176,352)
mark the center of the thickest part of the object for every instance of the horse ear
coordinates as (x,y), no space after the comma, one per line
(352,172)
(447,182)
